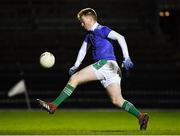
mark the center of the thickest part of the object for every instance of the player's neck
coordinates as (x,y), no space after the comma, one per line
(94,26)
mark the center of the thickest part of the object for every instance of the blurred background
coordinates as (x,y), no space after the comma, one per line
(31,27)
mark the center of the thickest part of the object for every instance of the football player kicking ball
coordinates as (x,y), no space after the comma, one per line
(105,69)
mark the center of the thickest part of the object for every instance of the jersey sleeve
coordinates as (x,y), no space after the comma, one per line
(122,42)
(81,54)
(105,31)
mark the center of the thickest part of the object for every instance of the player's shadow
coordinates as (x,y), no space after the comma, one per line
(114,131)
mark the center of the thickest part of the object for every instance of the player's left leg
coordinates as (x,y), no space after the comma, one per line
(114,91)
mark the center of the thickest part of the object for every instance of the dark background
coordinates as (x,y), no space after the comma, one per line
(31,27)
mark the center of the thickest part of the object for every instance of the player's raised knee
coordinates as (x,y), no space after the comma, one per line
(74,79)
(116,101)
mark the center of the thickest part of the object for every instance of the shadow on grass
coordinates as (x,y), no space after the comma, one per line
(108,132)
(68,132)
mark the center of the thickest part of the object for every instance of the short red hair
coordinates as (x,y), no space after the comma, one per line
(87,12)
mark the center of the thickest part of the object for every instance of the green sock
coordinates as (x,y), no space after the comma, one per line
(129,107)
(66,92)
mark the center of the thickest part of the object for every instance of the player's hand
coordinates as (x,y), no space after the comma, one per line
(72,70)
(127,64)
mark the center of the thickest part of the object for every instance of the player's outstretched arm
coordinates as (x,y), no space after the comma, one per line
(127,63)
(80,57)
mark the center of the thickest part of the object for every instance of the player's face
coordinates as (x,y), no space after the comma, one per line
(86,22)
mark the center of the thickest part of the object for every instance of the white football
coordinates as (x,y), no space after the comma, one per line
(47,60)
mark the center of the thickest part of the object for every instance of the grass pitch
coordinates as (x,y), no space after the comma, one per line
(85,123)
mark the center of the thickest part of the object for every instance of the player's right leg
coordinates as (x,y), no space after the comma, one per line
(85,75)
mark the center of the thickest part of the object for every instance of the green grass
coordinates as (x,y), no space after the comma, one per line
(86,122)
